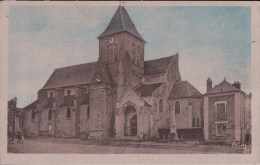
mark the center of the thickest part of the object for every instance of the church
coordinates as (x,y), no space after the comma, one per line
(119,96)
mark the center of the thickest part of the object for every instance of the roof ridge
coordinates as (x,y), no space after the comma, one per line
(188,88)
(122,18)
(159,58)
(76,65)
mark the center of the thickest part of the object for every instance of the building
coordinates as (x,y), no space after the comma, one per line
(227,112)
(15,117)
(125,97)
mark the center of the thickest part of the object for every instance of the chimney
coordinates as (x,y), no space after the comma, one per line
(209,84)
(237,84)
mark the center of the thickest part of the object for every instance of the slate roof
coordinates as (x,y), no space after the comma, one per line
(147,89)
(71,75)
(224,86)
(184,89)
(156,66)
(103,75)
(121,22)
(32,105)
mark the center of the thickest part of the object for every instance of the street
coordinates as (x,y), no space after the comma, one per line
(115,147)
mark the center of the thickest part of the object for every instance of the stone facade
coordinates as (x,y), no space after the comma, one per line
(227,113)
(123,96)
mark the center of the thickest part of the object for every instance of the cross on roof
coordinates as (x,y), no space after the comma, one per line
(122,3)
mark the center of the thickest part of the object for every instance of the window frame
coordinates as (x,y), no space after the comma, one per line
(50,114)
(161,106)
(33,114)
(222,123)
(68,110)
(216,109)
(177,101)
(88,113)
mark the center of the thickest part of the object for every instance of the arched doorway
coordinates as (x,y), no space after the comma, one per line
(130,127)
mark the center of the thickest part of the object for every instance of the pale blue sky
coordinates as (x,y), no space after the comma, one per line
(211,41)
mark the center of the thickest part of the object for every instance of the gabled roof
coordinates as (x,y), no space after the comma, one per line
(184,89)
(71,75)
(121,22)
(147,89)
(102,75)
(157,66)
(33,105)
(224,86)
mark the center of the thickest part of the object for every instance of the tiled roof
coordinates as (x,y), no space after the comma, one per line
(72,75)
(184,89)
(224,86)
(157,66)
(121,22)
(147,89)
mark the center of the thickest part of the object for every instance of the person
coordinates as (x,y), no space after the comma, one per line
(22,137)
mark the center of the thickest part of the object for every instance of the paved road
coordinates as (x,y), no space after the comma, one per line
(77,146)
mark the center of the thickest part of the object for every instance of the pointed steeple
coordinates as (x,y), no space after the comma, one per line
(121,22)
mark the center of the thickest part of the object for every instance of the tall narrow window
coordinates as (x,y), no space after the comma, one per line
(177,107)
(161,106)
(108,53)
(198,122)
(50,114)
(221,112)
(133,52)
(68,92)
(33,114)
(193,122)
(88,113)
(68,113)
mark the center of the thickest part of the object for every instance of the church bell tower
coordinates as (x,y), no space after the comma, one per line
(121,48)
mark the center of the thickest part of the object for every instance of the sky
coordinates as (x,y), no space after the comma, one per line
(211,42)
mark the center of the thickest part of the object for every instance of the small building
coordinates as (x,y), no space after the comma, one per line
(227,113)
(186,104)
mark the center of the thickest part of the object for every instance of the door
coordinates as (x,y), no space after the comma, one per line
(50,128)
(133,126)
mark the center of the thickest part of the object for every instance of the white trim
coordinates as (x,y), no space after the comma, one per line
(220,102)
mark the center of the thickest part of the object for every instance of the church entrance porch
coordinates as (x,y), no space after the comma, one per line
(130,124)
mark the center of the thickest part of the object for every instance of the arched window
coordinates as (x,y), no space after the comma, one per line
(177,107)
(68,113)
(161,105)
(88,113)
(50,114)
(198,122)
(33,114)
